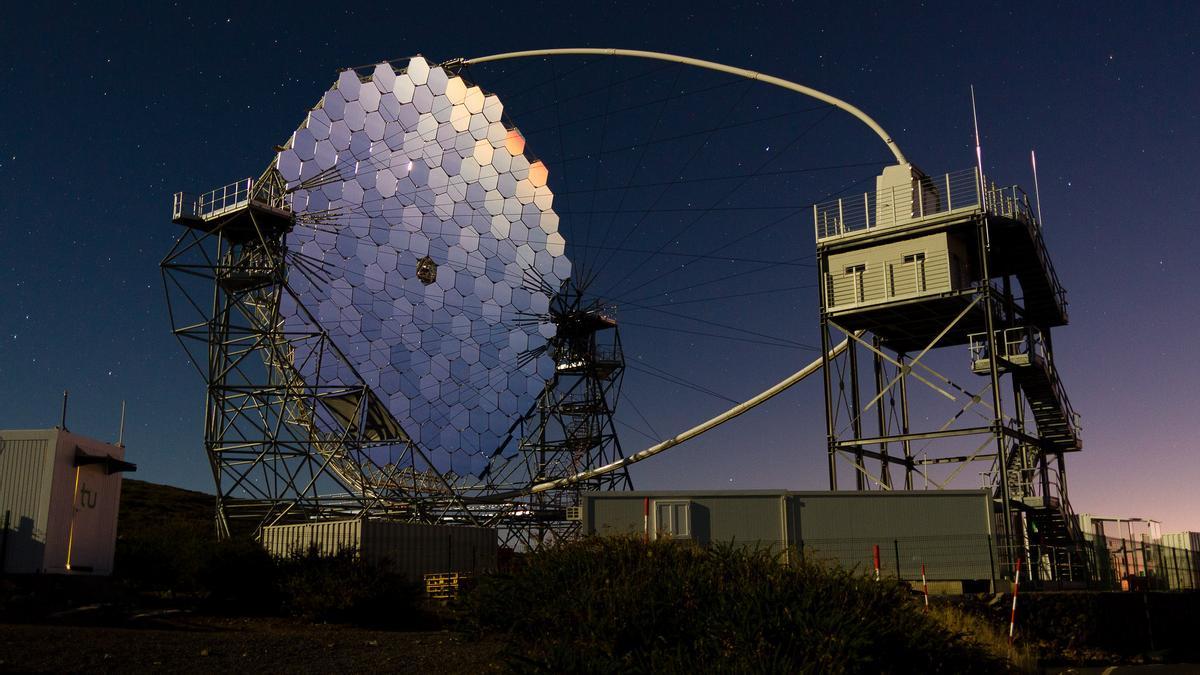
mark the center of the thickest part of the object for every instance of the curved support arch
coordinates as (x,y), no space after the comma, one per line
(708,65)
(737,410)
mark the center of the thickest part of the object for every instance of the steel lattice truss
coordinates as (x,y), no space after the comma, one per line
(373,317)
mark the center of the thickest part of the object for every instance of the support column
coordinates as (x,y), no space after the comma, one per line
(885,470)
(990,307)
(860,483)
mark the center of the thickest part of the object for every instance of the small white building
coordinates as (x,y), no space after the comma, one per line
(59,496)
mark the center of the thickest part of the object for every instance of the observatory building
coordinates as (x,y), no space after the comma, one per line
(917,267)
(59,495)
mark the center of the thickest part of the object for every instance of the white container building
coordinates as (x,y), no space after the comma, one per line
(59,496)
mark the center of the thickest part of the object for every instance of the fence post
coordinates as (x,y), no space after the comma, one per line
(896,545)
(1175,570)
(925,586)
(4,543)
(1012,619)
(645,519)
(991,562)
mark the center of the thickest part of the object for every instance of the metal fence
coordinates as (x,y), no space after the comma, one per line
(1102,564)
(1131,564)
(944,558)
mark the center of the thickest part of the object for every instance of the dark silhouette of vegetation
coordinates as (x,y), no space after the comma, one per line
(618,605)
(167,546)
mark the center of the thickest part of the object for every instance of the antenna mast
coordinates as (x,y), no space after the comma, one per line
(1037,194)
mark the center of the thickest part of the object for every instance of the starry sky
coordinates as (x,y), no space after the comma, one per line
(685,193)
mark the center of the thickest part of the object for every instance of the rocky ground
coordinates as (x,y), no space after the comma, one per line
(182,642)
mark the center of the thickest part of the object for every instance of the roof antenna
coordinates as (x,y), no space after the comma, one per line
(987,236)
(1037,194)
(978,147)
(121,430)
(63,424)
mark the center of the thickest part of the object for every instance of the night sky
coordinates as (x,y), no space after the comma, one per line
(107,112)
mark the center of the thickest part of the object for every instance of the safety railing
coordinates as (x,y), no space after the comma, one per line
(184,205)
(1026,341)
(923,198)
(224,198)
(268,190)
(1012,202)
(1010,342)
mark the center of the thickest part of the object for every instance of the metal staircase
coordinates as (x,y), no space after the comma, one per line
(1023,354)
(1054,544)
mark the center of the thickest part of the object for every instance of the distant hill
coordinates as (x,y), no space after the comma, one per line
(150,506)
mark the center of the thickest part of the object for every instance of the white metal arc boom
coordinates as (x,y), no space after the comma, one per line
(708,65)
(707,425)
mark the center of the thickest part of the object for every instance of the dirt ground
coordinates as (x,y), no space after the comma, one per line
(181,642)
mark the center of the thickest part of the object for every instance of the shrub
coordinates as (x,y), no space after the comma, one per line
(238,575)
(163,557)
(618,604)
(343,587)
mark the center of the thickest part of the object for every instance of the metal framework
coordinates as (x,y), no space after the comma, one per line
(225,278)
(573,427)
(283,449)
(900,309)
(922,276)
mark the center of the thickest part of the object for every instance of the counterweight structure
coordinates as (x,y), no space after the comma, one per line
(932,276)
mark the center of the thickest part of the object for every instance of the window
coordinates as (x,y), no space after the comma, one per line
(671,520)
(917,261)
(856,274)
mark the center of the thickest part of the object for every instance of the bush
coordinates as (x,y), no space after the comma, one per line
(343,587)
(239,576)
(165,557)
(618,604)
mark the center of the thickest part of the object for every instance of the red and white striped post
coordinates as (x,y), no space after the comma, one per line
(925,587)
(646,519)
(876,553)
(1012,620)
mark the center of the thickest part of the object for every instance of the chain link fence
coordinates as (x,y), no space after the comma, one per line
(1103,563)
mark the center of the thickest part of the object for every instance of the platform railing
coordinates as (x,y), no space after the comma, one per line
(224,198)
(268,190)
(1027,340)
(900,204)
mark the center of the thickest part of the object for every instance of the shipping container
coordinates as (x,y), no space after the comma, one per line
(947,532)
(59,496)
(1187,541)
(412,549)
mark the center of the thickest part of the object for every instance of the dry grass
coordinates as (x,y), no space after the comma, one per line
(976,630)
